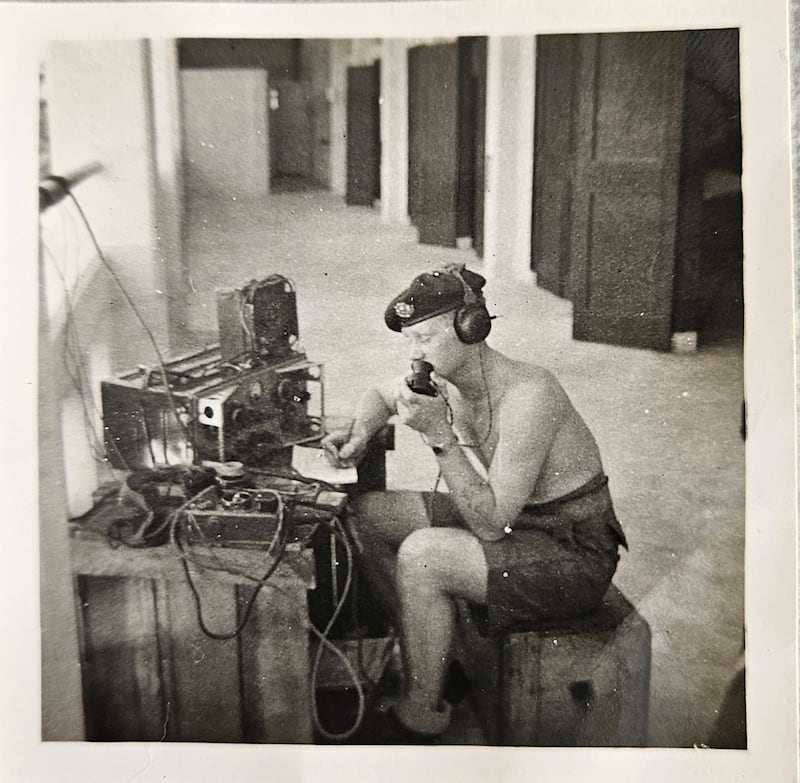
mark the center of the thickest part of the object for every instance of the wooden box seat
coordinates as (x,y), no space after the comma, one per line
(578,682)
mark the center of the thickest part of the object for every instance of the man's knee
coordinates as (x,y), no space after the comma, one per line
(418,553)
(443,559)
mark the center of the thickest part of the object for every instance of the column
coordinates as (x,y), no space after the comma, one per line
(509,156)
(340,51)
(168,182)
(394,131)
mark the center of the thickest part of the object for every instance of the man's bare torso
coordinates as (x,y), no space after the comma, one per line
(572,457)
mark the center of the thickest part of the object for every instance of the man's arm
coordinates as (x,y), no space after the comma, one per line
(376,406)
(346,446)
(530,416)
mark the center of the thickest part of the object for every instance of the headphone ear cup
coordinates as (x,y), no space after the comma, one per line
(472,323)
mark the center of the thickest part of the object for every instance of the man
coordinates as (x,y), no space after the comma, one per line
(526,530)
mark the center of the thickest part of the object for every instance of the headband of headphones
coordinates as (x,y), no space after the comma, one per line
(470,297)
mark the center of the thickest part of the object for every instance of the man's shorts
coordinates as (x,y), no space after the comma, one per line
(556,562)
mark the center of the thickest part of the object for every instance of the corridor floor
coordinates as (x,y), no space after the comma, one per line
(668,425)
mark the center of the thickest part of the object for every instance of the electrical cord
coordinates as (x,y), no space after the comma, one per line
(290,475)
(138,315)
(325,643)
(73,350)
(489,429)
(275,550)
(450,417)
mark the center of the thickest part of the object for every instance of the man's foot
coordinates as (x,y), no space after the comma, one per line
(419,717)
(386,728)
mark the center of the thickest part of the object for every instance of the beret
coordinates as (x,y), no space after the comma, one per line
(431,294)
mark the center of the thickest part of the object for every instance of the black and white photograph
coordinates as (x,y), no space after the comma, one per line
(411,379)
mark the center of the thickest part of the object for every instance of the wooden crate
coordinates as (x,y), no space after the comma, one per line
(582,682)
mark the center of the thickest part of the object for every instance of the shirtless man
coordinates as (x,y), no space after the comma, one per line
(526,530)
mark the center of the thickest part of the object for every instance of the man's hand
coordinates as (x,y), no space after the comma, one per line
(427,415)
(344,447)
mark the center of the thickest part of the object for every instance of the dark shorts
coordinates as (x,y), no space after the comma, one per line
(556,562)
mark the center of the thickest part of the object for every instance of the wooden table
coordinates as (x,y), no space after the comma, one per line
(149,671)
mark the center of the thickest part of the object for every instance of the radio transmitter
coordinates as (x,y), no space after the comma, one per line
(247,400)
(210,410)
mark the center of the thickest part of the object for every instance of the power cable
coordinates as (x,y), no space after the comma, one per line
(150,335)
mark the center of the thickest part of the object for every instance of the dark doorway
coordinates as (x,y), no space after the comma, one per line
(471,139)
(554,160)
(432,142)
(446,141)
(291,137)
(709,286)
(363,135)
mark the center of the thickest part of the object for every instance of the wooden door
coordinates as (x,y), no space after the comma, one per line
(553,160)
(479,52)
(471,139)
(625,199)
(363,135)
(293,145)
(433,142)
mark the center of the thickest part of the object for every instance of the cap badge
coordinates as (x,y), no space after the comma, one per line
(404,309)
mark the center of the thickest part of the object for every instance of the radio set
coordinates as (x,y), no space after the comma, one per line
(248,516)
(258,320)
(248,399)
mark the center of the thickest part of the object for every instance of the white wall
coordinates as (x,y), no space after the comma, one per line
(99,111)
(508,200)
(364,51)
(168,176)
(394,131)
(99,100)
(340,52)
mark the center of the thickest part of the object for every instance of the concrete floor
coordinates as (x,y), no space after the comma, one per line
(668,425)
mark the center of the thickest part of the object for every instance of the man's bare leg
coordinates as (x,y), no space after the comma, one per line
(383,521)
(434,566)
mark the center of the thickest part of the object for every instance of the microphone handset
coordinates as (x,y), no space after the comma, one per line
(420,379)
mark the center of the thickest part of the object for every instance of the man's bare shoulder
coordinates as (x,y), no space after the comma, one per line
(524,380)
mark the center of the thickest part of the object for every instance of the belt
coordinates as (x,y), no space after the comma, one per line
(599,481)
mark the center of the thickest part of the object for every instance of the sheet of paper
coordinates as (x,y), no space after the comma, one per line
(312,463)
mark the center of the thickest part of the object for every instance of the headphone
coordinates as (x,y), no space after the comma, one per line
(472,321)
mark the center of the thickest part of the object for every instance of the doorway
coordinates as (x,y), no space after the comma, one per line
(363,135)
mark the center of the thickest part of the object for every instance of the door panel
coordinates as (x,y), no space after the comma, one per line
(432,142)
(554,151)
(465,198)
(472,138)
(291,129)
(479,83)
(363,135)
(626,170)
